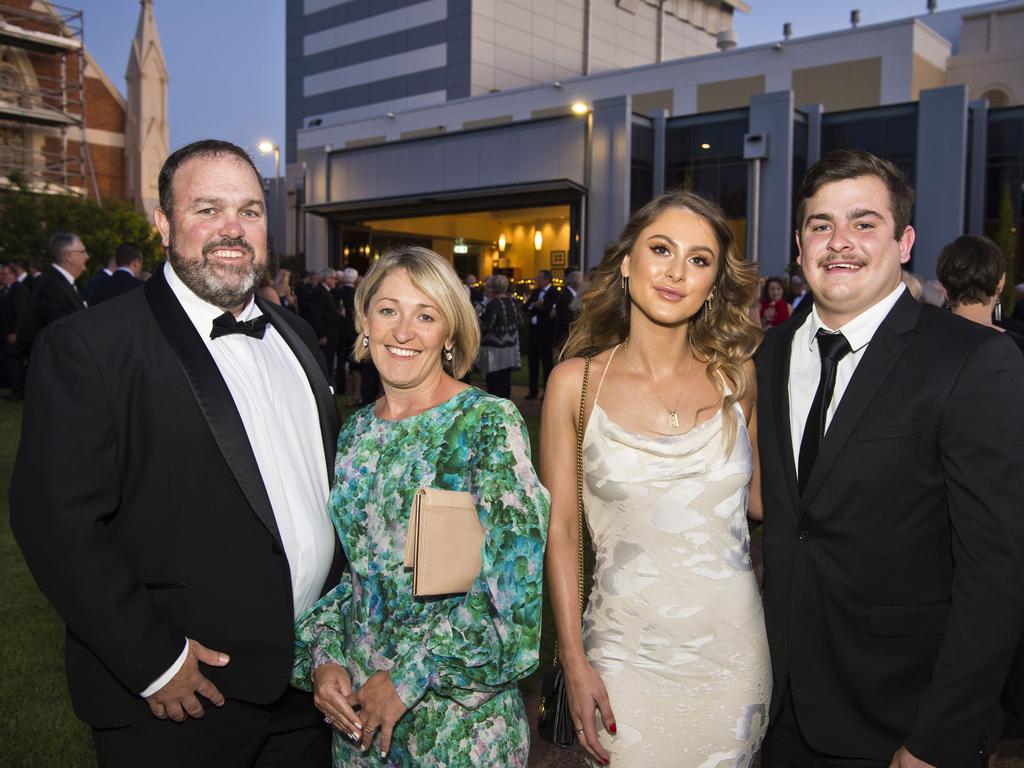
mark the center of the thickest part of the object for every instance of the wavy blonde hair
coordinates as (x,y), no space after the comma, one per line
(722,334)
(430,273)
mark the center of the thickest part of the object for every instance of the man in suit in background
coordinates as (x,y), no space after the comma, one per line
(322,313)
(890,437)
(14,309)
(55,294)
(92,286)
(542,318)
(128,261)
(188,529)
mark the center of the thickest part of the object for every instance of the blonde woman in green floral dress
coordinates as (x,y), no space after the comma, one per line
(414,682)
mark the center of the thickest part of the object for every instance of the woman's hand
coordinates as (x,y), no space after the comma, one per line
(332,688)
(586,692)
(381,709)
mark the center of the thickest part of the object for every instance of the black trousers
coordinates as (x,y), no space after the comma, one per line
(14,361)
(540,355)
(499,383)
(290,732)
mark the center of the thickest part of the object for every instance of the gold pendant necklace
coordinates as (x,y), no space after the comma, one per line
(673,415)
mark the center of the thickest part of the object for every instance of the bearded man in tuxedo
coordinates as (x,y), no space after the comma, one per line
(190,528)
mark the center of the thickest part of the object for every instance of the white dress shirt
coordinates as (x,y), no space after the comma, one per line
(805,362)
(279,413)
(67,275)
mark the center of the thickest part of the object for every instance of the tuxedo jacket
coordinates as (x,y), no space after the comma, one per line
(894,589)
(546,326)
(92,286)
(53,297)
(322,313)
(118,283)
(138,503)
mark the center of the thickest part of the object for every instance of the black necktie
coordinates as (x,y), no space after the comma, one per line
(832,347)
(226,324)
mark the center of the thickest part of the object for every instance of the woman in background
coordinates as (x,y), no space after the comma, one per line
(775,310)
(499,337)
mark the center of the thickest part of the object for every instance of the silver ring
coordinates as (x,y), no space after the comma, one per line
(581,730)
(327,719)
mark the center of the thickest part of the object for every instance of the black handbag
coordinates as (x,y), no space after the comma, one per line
(554,721)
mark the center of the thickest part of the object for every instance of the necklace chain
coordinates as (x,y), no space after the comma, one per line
(673,414)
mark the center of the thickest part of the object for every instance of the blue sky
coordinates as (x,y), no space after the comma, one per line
(226,57)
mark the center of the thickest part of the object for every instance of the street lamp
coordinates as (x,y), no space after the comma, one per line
(266,147)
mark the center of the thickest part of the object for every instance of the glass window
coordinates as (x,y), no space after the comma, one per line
(888,132)
(799,168)
(641,179)
(704,153)
(1004,202)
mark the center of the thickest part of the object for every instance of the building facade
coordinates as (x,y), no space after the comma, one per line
(478,178)
(64,126)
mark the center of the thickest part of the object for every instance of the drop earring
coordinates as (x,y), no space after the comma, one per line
(625,285)
(448,355)
(366,341)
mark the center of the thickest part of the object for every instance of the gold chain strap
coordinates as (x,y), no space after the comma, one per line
(579,493)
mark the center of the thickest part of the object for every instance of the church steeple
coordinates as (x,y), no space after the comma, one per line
(147,138)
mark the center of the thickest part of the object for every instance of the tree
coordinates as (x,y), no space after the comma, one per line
(27,220)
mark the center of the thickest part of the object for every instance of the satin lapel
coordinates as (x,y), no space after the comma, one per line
(780,405)
(883,351)
(212,395)
(325,405)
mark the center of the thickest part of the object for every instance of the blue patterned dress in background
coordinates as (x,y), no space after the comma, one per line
(455,661)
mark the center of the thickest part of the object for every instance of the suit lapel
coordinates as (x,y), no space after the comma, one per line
(883,351)
(325,405)
(212,395)
(780,404)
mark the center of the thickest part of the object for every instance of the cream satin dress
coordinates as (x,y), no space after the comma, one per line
(674,624)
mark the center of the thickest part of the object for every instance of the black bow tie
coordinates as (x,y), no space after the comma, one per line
(226,325)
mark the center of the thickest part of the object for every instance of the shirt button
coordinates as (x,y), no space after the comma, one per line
(802,535)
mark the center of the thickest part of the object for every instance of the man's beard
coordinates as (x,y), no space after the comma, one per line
(223,285)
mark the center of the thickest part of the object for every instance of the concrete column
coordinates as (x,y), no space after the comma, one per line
(316,241)
(979,153)
(659,120)
(771,114)
(608,161)
(814,113)
(941,174)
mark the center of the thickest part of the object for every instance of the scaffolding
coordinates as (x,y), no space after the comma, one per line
(43,142)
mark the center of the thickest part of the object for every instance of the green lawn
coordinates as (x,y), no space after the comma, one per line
(37,726)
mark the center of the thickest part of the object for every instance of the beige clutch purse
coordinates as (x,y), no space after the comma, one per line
(444,543)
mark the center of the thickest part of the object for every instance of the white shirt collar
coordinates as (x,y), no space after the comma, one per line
(858,332)
(22,277)
(201,312)
(67,275)
(108,271)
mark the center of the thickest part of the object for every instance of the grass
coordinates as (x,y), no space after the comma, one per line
(37,726)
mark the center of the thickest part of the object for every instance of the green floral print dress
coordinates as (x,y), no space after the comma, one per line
(454,661)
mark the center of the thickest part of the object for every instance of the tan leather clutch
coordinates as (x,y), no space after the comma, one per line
(444,542)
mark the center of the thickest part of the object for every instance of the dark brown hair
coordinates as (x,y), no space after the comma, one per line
(843,164)
(204,148)
(970,268)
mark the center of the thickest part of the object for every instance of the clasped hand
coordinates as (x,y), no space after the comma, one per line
(360,714)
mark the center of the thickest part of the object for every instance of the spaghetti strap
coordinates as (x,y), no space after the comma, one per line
(605,371)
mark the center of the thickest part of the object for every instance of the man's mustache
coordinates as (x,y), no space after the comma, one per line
(229,242)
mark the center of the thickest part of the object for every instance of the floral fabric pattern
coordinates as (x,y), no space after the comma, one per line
(454,661)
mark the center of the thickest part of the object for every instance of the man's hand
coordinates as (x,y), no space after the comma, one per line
(381,708)
(903,759)
(177,700)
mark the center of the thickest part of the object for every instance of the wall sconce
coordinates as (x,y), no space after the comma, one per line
(580,108)
(345,251)
(502,243)
(538,240)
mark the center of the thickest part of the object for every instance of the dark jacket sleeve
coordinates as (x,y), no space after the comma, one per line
(981,442)
(64,502)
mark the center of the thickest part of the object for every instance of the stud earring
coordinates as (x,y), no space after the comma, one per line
(448,355)
(366,341)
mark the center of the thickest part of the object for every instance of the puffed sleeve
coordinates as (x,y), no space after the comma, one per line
(491,638)
(320,634)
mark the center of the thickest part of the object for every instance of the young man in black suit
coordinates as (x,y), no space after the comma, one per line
(890,438)
(541,313)
(187,528)
(128,265)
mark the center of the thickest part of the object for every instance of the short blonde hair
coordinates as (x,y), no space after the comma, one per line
(437,279)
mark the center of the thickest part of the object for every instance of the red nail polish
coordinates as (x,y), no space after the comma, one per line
(612,728)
